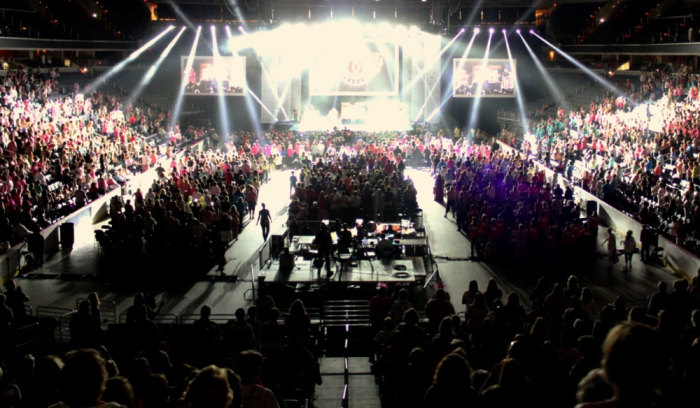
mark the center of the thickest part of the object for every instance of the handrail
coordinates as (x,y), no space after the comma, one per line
(167,318)
(58,313)
(346,365)
(111,307)
(434,273)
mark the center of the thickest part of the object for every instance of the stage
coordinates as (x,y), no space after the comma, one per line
(409,271)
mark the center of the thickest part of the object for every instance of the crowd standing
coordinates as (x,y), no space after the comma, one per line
(59,152)
(638,152)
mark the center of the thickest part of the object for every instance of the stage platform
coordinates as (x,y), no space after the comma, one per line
(411,270)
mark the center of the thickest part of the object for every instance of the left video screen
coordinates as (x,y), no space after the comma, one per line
(210,76)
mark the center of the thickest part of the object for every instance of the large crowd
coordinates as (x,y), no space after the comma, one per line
(556,349)
(559,351)
(505,206)
(640,157)
(60,152)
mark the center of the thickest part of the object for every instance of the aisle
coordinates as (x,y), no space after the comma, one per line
(451,250)
(69,275)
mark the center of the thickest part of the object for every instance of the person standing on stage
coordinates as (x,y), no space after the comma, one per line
(264,220)
(323,241)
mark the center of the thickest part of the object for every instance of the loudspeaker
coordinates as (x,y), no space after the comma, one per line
(276,245)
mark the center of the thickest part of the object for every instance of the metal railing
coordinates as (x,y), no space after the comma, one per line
(62,315)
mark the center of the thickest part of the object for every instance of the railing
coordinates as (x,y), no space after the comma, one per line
(346,366)
(164,318)
(62,316)
(108,310)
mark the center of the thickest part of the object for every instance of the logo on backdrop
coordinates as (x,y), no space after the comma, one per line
(360,71)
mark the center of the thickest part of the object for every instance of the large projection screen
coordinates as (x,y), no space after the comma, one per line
(208,74)
(367,68)
(495,78)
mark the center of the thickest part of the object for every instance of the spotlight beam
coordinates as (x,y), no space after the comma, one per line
(136,92)
(518,95)
(104,77)
(268,79)
(430,63)
(260,102)
(480,84)
(180,14)
(223,114)
(183,84)
(445,98)
(585,69)
(152,70)
(554,90)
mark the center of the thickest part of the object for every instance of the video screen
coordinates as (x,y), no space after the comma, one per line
(471,77)
(357,68)
(206,77)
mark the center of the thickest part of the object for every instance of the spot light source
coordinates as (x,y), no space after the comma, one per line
(491,30)
(517,31)
(476,30)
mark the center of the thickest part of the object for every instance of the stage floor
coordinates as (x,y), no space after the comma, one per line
(372,272)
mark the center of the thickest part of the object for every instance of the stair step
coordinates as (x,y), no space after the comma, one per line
(336,365)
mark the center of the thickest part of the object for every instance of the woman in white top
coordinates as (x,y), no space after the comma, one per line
(630,245)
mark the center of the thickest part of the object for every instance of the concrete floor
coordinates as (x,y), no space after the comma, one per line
(69,275)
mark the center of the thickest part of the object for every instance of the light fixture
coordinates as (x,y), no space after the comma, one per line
(491,30)
(476,30)
(517,31)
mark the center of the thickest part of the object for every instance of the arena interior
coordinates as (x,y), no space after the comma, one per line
(349,203)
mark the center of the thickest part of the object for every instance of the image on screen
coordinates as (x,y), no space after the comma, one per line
(495,78)
(207,75)
(360,68)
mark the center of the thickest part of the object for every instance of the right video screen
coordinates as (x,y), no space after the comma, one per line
(472,77)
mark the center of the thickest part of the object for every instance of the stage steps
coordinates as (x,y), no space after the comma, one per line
(362,389)
(346,328)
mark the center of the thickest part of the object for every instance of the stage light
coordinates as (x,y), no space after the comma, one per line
(585,69)
(518,96)
(104,77)
(532,31)
(503,31)
(553,88)
(241,29)
(447,96)
(462,30)
(480,84)
(491,30)
(152,69)
(429,64)
(268,79)
(517,31)
(188,66)
(476,30)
